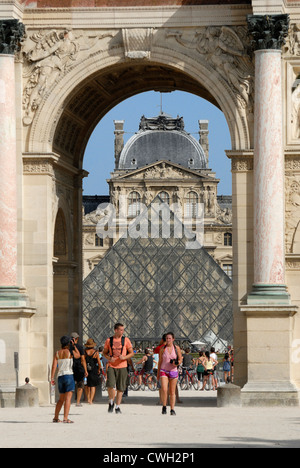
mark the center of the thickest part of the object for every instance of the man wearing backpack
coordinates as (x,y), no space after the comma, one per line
(117,350)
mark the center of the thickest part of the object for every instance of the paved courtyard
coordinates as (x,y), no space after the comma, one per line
(198,424)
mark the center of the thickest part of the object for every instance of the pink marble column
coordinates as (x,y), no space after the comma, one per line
(8,173)
(268,170)
(269,223)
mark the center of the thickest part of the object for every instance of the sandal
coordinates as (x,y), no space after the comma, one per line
(56,420)
(67,421)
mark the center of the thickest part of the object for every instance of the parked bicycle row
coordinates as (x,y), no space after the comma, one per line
(188,380)
(192,374)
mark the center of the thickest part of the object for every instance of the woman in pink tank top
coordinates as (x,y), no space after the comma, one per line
(170,358)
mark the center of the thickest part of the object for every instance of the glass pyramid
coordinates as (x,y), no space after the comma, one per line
(152,283)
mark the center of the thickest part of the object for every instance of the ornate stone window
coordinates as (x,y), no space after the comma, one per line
(191,205)
(228,239)
(165,197)
(227,267)
(134,204)
(98,241)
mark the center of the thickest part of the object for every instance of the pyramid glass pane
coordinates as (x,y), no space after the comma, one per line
(156,285)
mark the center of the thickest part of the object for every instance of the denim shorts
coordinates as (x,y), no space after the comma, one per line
(66,384)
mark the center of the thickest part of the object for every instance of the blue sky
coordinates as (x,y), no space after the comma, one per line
(99,154)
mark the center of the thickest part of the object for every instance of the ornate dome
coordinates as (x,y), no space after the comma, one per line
(162,138)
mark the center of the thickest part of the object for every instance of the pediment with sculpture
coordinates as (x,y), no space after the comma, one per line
(164,170)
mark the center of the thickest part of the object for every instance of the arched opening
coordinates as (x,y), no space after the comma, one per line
(99,93)
(61,287)
(100,160)
(68,129)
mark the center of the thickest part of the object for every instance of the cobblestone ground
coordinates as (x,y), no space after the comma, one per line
(198,424)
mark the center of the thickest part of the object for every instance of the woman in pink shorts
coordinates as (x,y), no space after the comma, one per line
(170,358)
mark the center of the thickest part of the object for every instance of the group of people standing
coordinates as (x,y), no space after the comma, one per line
(73,364)
(83,366)
(206,366)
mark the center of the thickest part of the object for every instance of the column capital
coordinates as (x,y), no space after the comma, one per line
(11,34)
(268,31)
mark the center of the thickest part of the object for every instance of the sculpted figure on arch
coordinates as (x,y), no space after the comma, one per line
(226,50)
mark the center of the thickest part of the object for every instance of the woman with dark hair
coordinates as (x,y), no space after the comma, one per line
(94,367)
(63,361)
(209,366)
(170,358)
(200,367)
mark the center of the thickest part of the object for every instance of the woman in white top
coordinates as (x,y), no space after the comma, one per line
(63,362)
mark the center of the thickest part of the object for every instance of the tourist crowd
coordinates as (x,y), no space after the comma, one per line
(83,367)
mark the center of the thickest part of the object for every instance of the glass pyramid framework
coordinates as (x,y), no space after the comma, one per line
(155,284)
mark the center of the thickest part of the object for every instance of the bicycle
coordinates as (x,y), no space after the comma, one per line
(148,380)
(103,380)
(190,379)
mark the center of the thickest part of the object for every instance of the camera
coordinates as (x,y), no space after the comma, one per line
(174,361)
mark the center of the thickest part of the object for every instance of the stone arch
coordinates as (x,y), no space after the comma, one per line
(55,120)
(68,112)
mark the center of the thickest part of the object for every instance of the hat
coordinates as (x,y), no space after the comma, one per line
(90,343)
(74,335)
(65,340)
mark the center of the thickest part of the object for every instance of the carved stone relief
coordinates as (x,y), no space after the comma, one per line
(93,218)
(138,43)
(225,216)
(296,112)
(241,164)
(48,55)
(291,53)
(226,50)
(292,43)
(164,171)
(292,210)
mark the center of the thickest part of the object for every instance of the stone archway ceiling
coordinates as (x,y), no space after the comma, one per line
(96,96)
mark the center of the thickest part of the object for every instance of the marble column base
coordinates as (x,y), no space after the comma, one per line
(268,294)
(274,393)
(15,334)
(269,355)
(12,296)
(7,396)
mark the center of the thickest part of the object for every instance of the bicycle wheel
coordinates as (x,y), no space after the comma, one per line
(134,383)
(184,384)
(195,382)
(103,382)
(152,383)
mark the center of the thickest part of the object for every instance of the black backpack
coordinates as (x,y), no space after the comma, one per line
(90,363)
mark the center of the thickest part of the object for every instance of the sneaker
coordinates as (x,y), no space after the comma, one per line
(111,407)
(172,413)
(118,411)
(164,410)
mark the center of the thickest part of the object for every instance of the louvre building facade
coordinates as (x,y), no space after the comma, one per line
(167,264)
